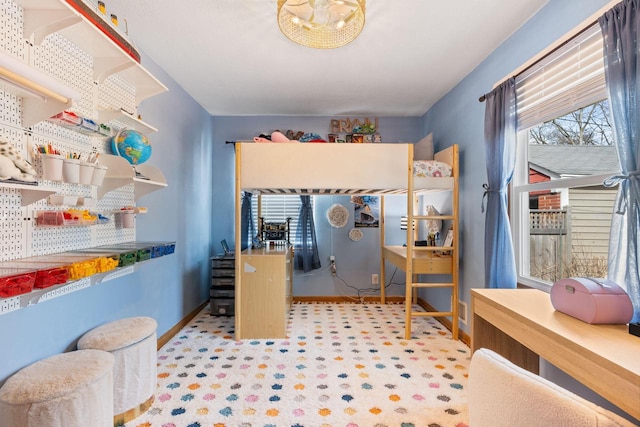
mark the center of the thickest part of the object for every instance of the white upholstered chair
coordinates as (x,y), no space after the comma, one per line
(502,394)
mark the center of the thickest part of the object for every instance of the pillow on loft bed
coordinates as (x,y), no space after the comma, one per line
(431,169)
(423,149)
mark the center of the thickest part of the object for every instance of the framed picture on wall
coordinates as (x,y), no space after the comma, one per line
(448,239)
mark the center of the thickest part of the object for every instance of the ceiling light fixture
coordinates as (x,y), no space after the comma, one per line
(321,24)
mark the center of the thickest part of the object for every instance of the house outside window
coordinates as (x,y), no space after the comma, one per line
(560,211)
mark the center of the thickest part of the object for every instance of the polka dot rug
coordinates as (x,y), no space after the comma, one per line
(342,365)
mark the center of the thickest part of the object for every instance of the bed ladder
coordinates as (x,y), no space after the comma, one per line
(413,282)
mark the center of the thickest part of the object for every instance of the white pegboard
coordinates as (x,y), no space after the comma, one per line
(20,236)
(9,304)
(56,56)
(11,24)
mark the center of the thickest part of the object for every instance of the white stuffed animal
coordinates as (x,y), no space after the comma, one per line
(10,151)
(13,165)
(8,170)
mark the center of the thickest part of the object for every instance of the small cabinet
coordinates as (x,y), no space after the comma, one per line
(265,292)
(222,293)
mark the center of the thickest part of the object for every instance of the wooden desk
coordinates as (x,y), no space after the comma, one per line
(263,292)
(521,324)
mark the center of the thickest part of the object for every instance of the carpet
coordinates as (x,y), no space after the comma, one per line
(342,365)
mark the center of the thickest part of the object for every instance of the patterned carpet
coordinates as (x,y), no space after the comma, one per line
(342,365)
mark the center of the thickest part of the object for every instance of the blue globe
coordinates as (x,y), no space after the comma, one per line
(131,145)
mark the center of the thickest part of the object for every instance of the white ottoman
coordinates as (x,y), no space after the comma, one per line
(66,390)
(133,343)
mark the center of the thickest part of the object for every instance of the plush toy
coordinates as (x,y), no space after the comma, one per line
(13,165)
(8,170)
(10,151)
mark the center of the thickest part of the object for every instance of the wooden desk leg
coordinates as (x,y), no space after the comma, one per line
(485,335)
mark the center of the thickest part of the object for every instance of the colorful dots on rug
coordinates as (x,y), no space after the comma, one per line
(227,411)
(350,367)
(178,411)
(323,412)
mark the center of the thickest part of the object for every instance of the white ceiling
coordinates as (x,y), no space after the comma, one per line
(230,56)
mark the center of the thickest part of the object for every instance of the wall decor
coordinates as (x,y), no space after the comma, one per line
(347,125)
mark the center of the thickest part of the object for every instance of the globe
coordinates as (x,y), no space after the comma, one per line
(131,145)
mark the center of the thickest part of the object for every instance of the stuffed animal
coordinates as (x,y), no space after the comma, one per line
(13,165)
(8,170)
(10,151)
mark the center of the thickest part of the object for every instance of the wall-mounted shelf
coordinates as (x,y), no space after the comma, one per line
(105,116)
(155,250)
(121,173)
(44,17)
(30,193)
(43,96)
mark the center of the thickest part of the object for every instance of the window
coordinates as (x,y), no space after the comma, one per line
(561,212)
(277,208)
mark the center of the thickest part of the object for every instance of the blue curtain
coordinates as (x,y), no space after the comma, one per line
(246,231)
(500,145)
(305,247)
(620,30)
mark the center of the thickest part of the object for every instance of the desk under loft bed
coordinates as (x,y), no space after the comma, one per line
(354,169)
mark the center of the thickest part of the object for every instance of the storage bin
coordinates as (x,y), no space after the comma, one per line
(127,256)
(223,306)
(71,171)
(60,199)
(50,218)
(98,175)
(79,265)
(223,281)
(220,262)
(225,291)
(104,261)
(52,166)
(16,281)
(224,272)
(67,119)
(88,126)
(47,273)
(86,172)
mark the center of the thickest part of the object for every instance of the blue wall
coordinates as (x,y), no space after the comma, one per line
(458,118)
(167,288)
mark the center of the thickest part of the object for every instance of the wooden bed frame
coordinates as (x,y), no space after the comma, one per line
(357,169)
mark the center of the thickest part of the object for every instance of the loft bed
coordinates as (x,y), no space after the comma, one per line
(358,169)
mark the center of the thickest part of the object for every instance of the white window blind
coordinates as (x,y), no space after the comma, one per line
(570,78)
(277,208)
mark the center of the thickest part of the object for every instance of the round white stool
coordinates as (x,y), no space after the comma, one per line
(133,343)
(72,389)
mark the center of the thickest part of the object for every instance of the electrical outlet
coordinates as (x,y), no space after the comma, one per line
(462,311)
(374,279)
(332,258)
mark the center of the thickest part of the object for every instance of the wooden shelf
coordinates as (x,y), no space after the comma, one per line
(121,173)
(44,17)
(30,193)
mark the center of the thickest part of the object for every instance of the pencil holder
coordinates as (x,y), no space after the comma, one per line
(71,171)
(52,167)
(98,175)
(86,172)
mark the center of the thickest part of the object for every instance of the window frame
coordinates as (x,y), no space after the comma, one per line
(519,190)
(294,215)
